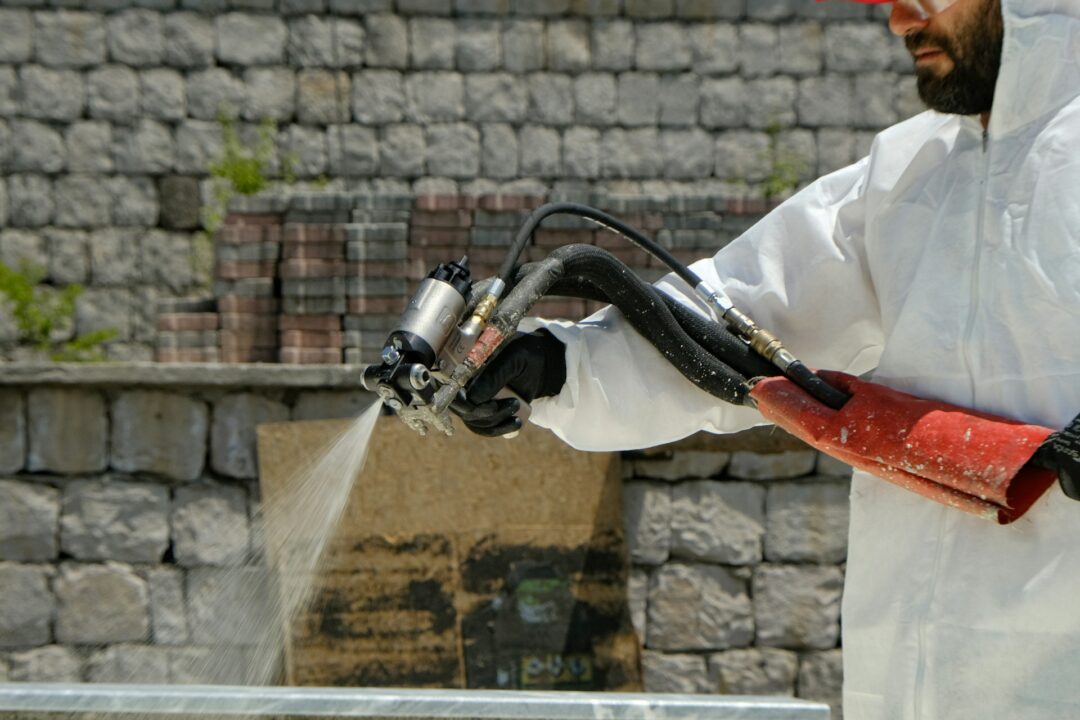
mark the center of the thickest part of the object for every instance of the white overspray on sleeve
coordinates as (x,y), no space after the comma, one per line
(800,272)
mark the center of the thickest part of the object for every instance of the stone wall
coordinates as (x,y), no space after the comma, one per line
(108,113)
(125,489)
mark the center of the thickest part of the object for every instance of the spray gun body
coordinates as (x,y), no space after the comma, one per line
(420,352)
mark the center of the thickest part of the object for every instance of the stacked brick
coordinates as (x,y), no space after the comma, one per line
(247,252)
(188,331)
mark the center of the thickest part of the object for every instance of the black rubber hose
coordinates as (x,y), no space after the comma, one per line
(643,306)
(712,336)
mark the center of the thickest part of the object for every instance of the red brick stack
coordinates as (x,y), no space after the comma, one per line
(187,331)
(313,275)
(247,251)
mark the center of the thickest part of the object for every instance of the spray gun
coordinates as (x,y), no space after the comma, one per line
(452,327)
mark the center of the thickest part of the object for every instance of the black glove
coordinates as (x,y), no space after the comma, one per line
(533,365)
(1061,453)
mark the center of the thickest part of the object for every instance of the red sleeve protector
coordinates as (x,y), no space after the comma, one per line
(968,460)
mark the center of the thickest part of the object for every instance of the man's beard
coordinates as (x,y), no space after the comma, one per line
(968,89)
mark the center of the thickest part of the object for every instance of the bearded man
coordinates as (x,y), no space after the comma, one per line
(948,261)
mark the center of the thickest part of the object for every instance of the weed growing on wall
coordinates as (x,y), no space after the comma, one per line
(785,167)
(244,170)
(43,314)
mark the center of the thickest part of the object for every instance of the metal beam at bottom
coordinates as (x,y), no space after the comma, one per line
(197,701)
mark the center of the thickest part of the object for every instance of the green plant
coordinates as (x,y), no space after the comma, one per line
(243,170)
(42,312)
(785,166)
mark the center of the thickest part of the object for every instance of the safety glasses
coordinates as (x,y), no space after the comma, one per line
(922,8)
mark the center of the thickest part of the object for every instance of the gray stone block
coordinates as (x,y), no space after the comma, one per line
(541,151)
(639,99)
(770,103)
(680,98)
(135,37)
(821,678)
(214,91)
(232,444)
(113,94)
(568,46)
(477,45)
(180,202)
(423,7)
(69,260)
(831,466)
(581,152)
(724,103)
(69,39)
(759,49)
(663,47)
(481,7)
(698,607)
(523,46)
(12,430)
(82,201)
(189,40)
(52,663)
(129,664)
(595,96)
(630,153)
(826,101)
(378,96)
(801,49)
(322,96)
(907,101)
(100,604)
(387,41)
(807,522)
(797,606)
(88,147)
(26,605)
(168,617)
(28,521)
(167,259)
(551,98)
(114,256)
(115,521)
(874,104)
(67,431)
(159,433)
(753,671)
(663,673)
(495,97)
(612,45)
(714,48)
(649,9)
(754,466)
(210,525)
(431,43)
(637,599)
(19,247)
(647,521)
(230,606)
(498,151)
(134,201)
(683,464)
(353,150)
(35,147)
(770,9)
(307,146)
(688,154)
(453,150)
(797,151)
(105,309)
(270,93)
(718,521)
(402,150)
(30,205)
(742,156)
(198,143)
(434,97)
(856,47)
(244,39)
(17,40)
(50,94)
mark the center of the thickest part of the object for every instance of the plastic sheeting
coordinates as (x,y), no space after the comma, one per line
(188,701)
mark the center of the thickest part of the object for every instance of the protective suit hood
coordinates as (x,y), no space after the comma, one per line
(1040,62)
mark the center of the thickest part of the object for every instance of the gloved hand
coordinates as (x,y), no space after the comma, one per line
(533,365)
(1061,453)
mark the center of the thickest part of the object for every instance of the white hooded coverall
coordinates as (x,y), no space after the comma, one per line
(950,260)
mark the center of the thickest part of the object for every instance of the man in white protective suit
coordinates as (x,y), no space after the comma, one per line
(949,260)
